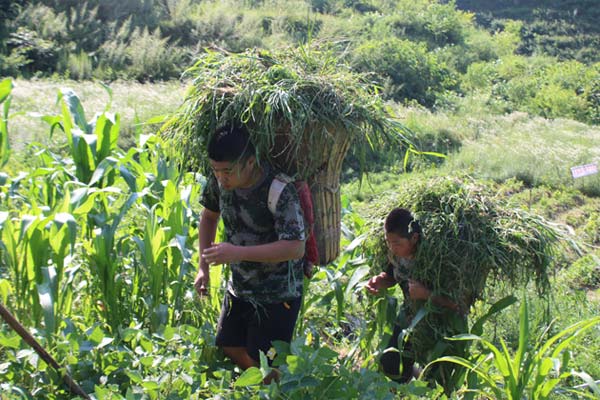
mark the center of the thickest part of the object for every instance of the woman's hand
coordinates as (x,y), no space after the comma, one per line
(381,281)
(418,291)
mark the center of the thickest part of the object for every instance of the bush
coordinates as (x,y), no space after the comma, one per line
(143,56)
(407,70)
(78,66)
(31,53)
(584,273)
(151,58)
(438,25)
(539,85)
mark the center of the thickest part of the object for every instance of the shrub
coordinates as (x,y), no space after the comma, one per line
(436,24)
(539,85)
(407,70)
(584,273)
(78,66)
(143,56)
(31,53)
(151,57)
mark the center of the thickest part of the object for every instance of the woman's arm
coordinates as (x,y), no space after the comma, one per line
(418,291)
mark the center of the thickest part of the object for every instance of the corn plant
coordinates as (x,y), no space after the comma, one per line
(5,88)
(153,248)
(35,255)
(535,369)
(104,257)
(89,143)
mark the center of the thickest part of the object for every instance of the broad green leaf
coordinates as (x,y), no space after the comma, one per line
(73,109)
(46,297)
(5,89)
(54,121)
(477,328)
(150,385)
(171,194)
(251,376)
(97,335)
(358,275)
(523,338)
(355,243)
(546,388)
(5,290)
(129,178)
(12,342)
(105,166)
(67,229)
(82,152)
(107,132)
(105,342)
(134,376)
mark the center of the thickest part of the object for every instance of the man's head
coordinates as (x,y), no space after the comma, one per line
(232,156)
(402,232)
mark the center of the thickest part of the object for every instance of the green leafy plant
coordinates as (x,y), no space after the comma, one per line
(535,369)
(90,142)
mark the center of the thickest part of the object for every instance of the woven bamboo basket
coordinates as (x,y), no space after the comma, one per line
(323,161)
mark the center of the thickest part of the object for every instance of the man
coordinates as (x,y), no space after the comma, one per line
(263,249)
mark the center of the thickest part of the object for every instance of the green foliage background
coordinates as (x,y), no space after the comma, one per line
(417,51)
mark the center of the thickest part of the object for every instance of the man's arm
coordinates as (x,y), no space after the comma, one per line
(281,250)
(207,231)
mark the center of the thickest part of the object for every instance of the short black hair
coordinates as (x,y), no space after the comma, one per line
(401,222)
(230,143)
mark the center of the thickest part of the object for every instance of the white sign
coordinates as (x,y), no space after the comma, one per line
(584,170)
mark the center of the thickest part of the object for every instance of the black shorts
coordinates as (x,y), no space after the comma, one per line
(243,324)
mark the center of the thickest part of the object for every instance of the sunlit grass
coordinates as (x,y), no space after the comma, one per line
(135,102)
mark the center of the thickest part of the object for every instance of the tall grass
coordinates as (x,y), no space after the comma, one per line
(535,150)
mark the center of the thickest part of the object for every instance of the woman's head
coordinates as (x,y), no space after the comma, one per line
(402,232)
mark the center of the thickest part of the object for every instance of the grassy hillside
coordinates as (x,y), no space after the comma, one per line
(567,29)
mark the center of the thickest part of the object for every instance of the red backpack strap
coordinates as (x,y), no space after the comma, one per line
(311,252)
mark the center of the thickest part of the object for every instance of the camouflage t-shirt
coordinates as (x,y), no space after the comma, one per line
(249,222)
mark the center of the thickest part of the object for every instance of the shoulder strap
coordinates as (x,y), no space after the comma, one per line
(275,190)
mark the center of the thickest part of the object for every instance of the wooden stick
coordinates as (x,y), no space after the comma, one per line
(30,340)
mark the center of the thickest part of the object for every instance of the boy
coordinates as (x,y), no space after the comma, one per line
(264,250)
(402,235)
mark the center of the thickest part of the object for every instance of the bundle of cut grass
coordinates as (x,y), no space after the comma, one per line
(303,108)
(471,238)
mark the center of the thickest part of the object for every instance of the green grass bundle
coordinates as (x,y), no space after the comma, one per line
(471,238)
(296,102)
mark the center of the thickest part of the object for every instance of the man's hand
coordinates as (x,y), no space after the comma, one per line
(221,253)
(201,283)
